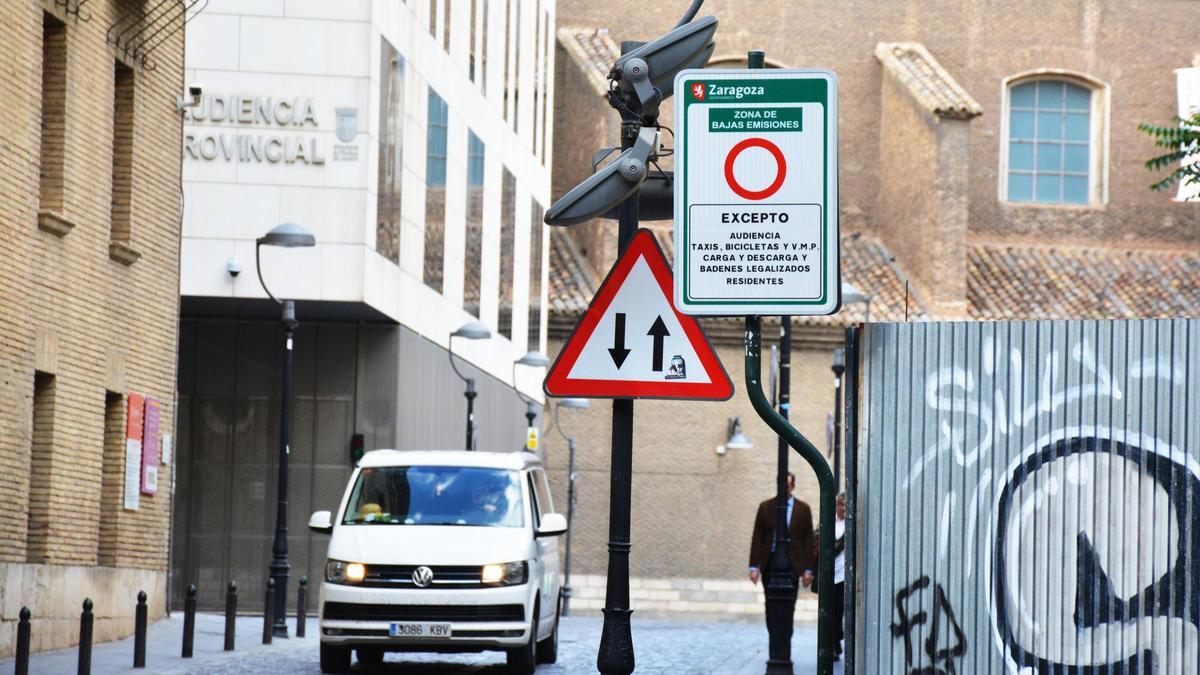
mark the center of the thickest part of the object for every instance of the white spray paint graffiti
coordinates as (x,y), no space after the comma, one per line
(1084,540)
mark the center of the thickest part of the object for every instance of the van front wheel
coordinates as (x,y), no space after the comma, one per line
(334,659)
(523,660)
(547,650)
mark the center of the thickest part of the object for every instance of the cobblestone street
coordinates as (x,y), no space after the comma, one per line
(662,647)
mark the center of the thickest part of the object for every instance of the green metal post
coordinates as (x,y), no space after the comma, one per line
(824,479)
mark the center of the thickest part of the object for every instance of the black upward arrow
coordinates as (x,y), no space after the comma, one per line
(618,350)
(659,331)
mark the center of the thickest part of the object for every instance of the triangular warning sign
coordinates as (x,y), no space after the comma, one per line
(633,343)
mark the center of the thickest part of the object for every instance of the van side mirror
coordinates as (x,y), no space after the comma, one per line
(321,522)
(553,524)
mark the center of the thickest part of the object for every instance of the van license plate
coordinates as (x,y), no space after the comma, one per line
(419,629)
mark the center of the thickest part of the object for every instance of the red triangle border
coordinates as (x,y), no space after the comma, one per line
(557,382)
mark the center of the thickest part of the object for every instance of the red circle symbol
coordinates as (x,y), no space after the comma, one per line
(781,166)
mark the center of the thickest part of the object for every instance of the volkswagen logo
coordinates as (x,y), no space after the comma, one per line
(422,576)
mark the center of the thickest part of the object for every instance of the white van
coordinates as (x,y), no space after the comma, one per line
(442,551)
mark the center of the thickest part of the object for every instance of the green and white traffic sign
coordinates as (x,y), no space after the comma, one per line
(756,206)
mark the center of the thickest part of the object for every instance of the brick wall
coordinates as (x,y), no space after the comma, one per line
(1125,45)
(95,318)
(693,510)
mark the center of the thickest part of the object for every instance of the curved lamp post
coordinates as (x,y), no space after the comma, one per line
(533,359)
(577,404)
(468,331)
(287,235)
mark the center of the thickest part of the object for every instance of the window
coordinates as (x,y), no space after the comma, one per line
(1054,143)
(473,262)
(436,495)
(122,164)
(40,462)
(54,111)
(546,75)
(536,233)
(508,240)
(435,192)
(112,476)
(479,39)
(446,26)
(513,10)
(391,141)
(538,83)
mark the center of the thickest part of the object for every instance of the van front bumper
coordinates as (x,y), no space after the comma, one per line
(480,618)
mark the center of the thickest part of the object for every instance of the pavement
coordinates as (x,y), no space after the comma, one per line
(660,647)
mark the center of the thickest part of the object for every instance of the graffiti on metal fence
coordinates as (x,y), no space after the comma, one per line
(1119,607)
(1056,490)
(944,643)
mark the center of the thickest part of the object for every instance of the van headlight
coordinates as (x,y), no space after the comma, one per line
(506,574)
(340,572)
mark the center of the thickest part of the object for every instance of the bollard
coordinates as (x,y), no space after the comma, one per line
(23,635)
(301,610)
(139,632)
(189,622)
(268,613)
(85,638)
(230,615)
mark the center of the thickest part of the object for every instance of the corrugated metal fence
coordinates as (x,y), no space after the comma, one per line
(1027,498)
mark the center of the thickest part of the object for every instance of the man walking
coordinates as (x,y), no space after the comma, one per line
(800,541)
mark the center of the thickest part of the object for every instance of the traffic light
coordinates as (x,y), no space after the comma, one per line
(357,448)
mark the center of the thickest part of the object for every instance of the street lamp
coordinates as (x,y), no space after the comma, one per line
(851,295)
(533,359)
(468,331)
(839,367)
(287,235)
(737,438)
(578,404)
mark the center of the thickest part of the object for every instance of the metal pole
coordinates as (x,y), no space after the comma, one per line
(139,631)
(781,588)
(849,620)
(470,393)
(86,620)
(566,590)
(301,606)
(268,610)
(24,633)
(279,564)
(231,616)
(837,429)
(615,655)
(824,479)
(189,623)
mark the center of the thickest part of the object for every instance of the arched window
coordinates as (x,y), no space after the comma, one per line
(1054,144)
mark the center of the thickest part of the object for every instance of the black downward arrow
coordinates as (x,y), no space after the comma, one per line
(618,350)
(659,331)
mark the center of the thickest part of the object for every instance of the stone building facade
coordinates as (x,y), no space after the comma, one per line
(990,168)
(89,234)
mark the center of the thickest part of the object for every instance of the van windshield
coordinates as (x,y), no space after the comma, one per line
(436,495)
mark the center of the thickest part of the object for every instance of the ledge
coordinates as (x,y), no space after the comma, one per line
(54,222)
(122,253)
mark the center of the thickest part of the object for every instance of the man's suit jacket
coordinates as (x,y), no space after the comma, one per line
(800,537)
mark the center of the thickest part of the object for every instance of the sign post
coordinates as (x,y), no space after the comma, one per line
(756,232)
(756,220)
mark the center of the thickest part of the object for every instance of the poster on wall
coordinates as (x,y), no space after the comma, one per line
(150,440)
(135,410)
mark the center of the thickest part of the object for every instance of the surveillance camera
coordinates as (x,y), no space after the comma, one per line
(646,75)
(234,267)
(607,187)
(195,91)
